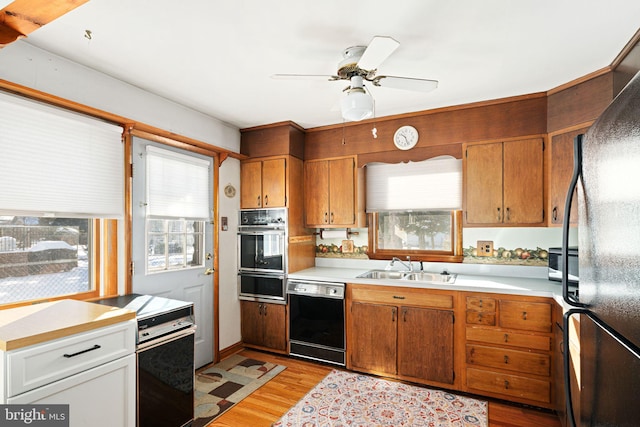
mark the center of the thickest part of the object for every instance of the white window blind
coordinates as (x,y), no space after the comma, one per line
(55,162)
(177,185)
(434,184)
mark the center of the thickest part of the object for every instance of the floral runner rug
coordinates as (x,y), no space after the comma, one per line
(353,400)
(224,384)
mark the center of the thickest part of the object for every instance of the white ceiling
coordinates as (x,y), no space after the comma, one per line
(218,56)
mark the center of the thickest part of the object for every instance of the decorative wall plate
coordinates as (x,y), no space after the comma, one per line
(230,191)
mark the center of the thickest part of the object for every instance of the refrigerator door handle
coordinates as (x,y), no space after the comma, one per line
(566,356)
(577,173)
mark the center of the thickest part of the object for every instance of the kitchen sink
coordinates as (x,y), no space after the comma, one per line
(423,276)
(383,274)
(418,276)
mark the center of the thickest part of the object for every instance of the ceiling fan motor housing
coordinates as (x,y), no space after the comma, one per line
(348,67)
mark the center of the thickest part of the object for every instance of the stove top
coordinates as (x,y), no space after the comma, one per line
(156,316)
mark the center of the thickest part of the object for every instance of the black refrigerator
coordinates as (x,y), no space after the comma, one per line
(607,178)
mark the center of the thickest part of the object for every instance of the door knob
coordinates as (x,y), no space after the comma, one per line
(209,271)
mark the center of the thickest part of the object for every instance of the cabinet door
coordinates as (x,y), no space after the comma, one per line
(560,171)
(342,191)
(523,182)
(483,184)
(274,335)
(316,193)
(251,322)
(274,183)
(373,337)
(425,344)
(251,185)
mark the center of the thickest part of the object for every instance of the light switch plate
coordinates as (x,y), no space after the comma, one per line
(485,248)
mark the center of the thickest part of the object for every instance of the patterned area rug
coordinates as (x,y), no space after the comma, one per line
(348,399)
(222,385)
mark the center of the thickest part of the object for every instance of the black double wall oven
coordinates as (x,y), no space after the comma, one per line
(262,255)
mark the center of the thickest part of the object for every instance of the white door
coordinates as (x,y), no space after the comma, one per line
(157,254)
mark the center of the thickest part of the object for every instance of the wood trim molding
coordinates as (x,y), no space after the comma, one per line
(579,80)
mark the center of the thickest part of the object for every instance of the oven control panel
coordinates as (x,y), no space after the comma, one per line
(315,289)
(276,217)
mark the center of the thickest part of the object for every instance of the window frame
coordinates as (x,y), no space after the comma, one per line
(454,256)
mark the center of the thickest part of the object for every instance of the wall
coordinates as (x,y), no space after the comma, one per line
(29,66)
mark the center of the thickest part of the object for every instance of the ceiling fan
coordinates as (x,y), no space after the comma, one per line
(360,64)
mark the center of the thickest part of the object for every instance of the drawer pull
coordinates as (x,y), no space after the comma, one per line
(506,359)
(398,297)
(95,347)
(506,385)
(524,315)
(480,304)
(506,337)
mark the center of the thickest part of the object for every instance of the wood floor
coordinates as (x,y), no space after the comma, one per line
(272,400)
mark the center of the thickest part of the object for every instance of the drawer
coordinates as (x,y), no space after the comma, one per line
(491,336)
(509,385)
(510,360)
(402,296)
(481,318)
(529,316)
(40,364)
(481,304)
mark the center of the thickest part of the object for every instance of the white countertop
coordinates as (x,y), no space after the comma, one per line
(464,282)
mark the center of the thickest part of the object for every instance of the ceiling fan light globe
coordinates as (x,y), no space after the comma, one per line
(356,105)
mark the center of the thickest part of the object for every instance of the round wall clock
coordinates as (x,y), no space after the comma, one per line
(229,191)
(406,137)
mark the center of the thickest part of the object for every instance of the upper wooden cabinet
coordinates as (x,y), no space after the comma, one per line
(263,183)
(331,193)
(560,171)
(504,183)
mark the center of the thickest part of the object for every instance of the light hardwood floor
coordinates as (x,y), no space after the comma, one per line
(272,400)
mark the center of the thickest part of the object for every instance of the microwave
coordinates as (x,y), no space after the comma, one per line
(555,265)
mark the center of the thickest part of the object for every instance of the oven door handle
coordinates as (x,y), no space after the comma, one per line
(167,338)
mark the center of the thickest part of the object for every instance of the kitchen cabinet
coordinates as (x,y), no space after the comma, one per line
(504,183)
(405,333)
(331,193)
(574,364)
(560,172)
(263,325)
(74,370)
(263,183)
(508,347)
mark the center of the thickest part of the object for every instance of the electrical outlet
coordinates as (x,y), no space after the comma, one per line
(485,248)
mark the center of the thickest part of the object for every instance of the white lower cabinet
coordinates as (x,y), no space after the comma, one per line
(94,372)
(102,396)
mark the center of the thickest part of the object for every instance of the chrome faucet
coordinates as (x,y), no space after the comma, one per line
(409,266)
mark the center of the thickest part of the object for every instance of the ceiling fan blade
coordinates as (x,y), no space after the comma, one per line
(304,77)
(406,83)
(378,50)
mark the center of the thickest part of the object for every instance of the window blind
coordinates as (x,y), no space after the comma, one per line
(434,184)
(58,163)
(177,185)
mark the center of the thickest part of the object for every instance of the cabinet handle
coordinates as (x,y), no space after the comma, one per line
(393,314)
(398,297)
(264,309)
(404,315)
(524,315)
(506,385)
(266,200)
(259,201)
(506,337)
(506,359)
(499,218)
(326,217)
(95,347)
(331,220)
(508,215)
(480,304)
(260,309)
(554,213)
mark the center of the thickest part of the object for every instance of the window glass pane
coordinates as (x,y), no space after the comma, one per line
(421,230)
(174,244)
(44,257)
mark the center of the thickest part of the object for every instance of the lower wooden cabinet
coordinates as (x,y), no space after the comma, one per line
(264,325)
(509,347)
(411,339)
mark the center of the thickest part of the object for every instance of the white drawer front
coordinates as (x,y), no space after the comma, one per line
(42,364)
